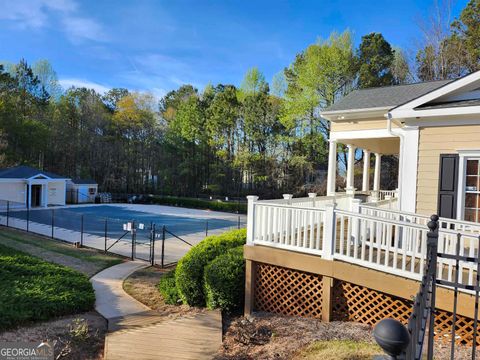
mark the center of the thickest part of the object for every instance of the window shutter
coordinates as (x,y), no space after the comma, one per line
(447,186)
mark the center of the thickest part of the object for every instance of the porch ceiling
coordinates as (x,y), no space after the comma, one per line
(386,146)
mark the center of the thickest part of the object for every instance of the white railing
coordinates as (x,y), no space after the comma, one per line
(391,246)
(382,239)
(380,195)
(342,200)
(288,227)
(444,223)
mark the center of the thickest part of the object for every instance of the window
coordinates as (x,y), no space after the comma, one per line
(471,211)
(91,191)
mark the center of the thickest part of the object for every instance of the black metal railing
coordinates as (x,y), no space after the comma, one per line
(416,341)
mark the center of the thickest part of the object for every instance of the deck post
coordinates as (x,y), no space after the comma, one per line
(389,199)
(249,287)
(376,177)
(251,218)
(312,196)
(355,208)
(327,298)
(329,232)
(289,198)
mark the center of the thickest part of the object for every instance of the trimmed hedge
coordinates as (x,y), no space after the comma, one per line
(32,289)
(190,268)
(215,205)
(168,288)
(224,281)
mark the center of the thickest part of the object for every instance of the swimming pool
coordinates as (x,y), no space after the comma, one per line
(110,219)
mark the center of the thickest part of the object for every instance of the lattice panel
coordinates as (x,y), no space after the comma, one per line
(463,328)
(357,303)
(288,292)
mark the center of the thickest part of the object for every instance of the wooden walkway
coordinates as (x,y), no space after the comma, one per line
(150,336)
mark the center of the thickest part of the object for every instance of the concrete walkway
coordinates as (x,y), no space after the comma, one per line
(111,301)
(137,332)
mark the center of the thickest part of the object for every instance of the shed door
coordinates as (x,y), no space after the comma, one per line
(447,186)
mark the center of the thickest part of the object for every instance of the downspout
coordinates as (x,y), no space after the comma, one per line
(401,160)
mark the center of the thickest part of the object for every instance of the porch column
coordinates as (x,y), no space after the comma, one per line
(366,171)
(376,178)
(350,167)
(332,168)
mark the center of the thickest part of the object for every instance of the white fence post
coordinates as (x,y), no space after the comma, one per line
(288,197)
(389,199)
(355,208)
(251,218)
(312,196)
(328,247)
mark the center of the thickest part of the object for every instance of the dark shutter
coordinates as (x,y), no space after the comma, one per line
(447,186)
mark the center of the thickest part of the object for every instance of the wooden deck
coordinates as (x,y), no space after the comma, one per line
(149,336)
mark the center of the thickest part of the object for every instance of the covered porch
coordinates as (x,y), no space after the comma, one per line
(370,146)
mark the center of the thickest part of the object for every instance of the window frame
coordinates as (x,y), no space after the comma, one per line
(464,156)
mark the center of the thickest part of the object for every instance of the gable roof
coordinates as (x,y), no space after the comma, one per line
(84,181)
(386,97)
(25,172)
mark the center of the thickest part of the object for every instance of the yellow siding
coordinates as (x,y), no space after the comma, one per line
(434,141)
(377,124)
(12,191)
(56,193)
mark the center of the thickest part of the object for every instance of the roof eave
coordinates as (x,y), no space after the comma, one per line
(339,115)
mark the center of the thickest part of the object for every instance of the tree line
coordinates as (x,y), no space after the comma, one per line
(221,140)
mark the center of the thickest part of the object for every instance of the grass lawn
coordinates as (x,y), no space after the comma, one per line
(87,261)
(340,350)
(32,289)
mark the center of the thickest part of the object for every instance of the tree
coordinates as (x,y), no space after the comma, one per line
(466,31)
(375,58)
(48,78)
(400,68)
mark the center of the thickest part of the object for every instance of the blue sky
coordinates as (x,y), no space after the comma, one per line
(159,45)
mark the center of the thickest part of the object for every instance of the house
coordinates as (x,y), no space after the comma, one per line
(361,254)
(434,128)
(81,191)
(30,187)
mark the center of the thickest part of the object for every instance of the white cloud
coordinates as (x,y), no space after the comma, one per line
(38,14)
(68,83)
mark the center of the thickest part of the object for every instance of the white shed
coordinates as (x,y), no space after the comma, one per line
(30,187)
(81,191)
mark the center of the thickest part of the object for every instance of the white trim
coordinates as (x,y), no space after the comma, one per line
(360,134)
(407,179)
(363,113)
(463,155)
(443,90)
(39,174)
(457,111)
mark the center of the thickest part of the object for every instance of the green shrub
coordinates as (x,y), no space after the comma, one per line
(32,289)
(224,281)
(216,205)
(168,288)
(189,272)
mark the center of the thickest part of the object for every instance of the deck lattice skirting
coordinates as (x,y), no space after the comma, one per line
(293,292)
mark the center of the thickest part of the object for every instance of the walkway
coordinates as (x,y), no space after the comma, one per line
(137,332)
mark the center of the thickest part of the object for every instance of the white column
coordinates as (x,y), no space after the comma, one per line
(350,167)
(366,171)
(376,178)
(45,198)
(312,196)
(332,168)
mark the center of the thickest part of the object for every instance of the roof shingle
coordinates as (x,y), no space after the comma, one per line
(387,96)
